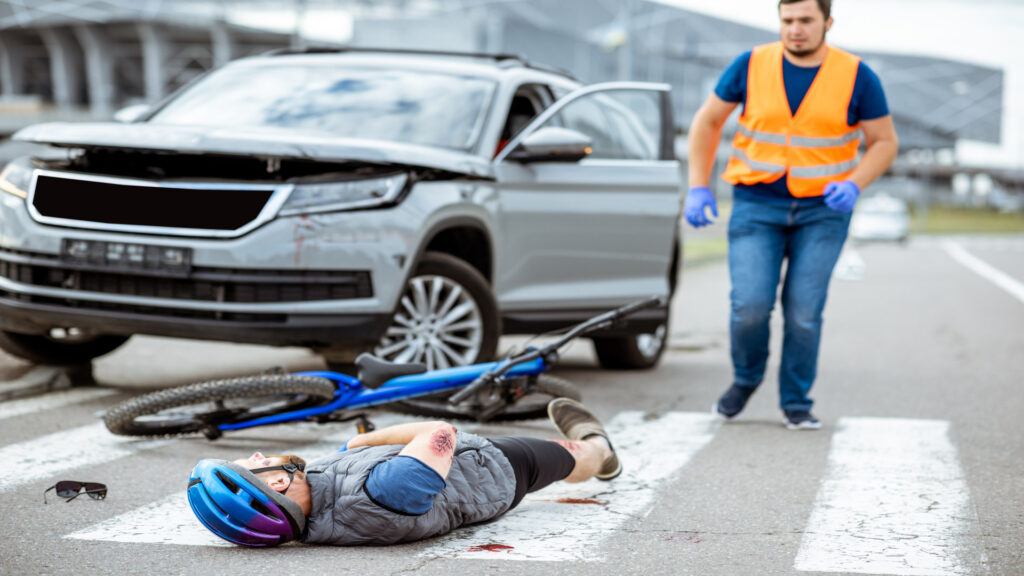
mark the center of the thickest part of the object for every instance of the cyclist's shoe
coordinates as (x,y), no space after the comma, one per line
(730,404)
(801,420)
(575,422)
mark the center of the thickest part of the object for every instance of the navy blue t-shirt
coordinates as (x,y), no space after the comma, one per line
(867,103)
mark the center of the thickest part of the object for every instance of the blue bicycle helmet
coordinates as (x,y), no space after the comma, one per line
(237,506)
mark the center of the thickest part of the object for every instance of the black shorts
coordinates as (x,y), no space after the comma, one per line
(535,462)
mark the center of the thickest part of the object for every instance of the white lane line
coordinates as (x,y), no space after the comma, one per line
(548,526)
(170,520)
(894,501)
(50,401)
(63,451)
(985,270)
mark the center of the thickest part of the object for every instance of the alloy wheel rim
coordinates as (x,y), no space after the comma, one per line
(438,323)
(650,344)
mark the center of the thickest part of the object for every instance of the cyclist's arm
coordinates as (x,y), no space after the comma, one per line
(432,443)
(397,434)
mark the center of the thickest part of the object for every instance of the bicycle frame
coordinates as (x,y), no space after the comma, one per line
(351,394)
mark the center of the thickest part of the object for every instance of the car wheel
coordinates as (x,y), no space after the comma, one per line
(446,316)
(636,352)
(60,346)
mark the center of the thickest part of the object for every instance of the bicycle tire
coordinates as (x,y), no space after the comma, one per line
(437,406)
(274,394)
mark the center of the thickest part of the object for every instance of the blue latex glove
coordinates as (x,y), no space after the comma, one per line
(698,200)
(841,196)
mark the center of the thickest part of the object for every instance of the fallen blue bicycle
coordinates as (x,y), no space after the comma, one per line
(512,389)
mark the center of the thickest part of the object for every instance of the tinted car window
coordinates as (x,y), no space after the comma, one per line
(415,107)
(617,132)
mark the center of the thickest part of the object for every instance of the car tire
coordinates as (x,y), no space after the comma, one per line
(636,352)
(446,316)
(50,350)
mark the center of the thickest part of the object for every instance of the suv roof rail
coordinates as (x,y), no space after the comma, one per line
(503,59)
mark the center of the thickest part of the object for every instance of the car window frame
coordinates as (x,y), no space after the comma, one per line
(666,145)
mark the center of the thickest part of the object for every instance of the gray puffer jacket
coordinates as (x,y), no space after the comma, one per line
(479,487)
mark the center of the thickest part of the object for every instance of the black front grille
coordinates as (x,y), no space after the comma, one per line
(202,284)
(164,206)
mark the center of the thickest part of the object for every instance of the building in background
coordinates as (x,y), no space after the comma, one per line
(84,59)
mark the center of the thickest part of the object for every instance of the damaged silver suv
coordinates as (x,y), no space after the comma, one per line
(415,204)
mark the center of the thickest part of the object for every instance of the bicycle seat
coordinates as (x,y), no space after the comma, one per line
(373,372)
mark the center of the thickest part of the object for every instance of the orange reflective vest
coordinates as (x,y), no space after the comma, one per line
(813,147)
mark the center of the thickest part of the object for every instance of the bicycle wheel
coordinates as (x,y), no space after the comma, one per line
(534,405)
(203,406)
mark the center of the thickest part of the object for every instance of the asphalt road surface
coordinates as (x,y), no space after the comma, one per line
(917,469)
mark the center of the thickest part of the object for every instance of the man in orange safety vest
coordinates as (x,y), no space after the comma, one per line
(796,177)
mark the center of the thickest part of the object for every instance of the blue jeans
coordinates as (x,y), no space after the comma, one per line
(763,233)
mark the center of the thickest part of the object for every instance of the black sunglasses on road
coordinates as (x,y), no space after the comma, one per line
(70,489)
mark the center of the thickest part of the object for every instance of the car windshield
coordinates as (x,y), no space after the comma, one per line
(412,107)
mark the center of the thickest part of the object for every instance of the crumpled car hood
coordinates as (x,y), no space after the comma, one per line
(262,142)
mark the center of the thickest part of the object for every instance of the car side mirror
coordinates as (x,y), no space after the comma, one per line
(552,144)
(130,114)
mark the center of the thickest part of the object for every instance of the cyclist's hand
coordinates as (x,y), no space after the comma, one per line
(841,196)
(698,200)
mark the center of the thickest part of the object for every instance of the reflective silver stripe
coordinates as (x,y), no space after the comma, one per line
(755,165)
(811,142)
(822,171)
(766,137)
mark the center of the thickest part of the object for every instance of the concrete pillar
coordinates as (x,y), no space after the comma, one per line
(99,68)
(155,51)
(65,66)
(222,42)
(12,66)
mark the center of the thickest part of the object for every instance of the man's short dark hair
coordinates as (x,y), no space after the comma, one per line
(825,5)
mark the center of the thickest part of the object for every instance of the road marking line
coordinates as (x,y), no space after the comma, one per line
(894,501)
(543,529)
(50,401)
(56,453)
(650,451)
(985,270)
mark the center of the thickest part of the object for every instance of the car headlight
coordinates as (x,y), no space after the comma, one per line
(16,177)
(347,195)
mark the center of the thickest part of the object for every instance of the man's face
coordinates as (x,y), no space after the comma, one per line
(276,479)
(802,26)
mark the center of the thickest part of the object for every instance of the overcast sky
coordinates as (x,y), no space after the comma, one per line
(987,32)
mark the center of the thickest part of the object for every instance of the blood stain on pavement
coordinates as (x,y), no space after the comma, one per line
(582,501)
(490,548)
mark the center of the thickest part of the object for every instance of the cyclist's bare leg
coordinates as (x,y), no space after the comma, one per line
(590,454)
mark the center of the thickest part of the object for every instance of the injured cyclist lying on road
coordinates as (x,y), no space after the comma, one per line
(398,484)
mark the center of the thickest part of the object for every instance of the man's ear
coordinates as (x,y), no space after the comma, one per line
(828,24)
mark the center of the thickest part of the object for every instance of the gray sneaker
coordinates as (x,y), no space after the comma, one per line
(575,422)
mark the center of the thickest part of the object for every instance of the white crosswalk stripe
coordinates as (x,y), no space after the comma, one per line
(894,501)
(62,451)
(50,401)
